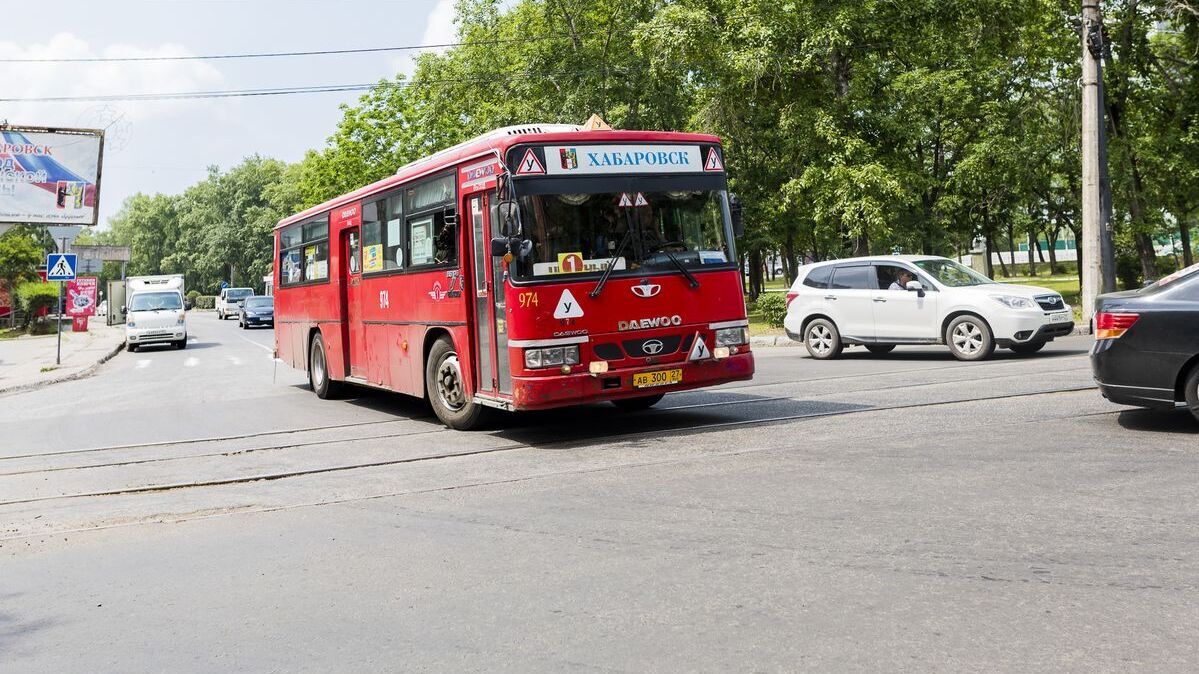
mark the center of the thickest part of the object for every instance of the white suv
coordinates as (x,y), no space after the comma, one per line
(226,302)
(882,302)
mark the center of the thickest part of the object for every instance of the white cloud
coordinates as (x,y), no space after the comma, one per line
(439,29)
(33,80)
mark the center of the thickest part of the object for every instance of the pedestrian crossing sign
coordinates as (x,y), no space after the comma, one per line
(60,267)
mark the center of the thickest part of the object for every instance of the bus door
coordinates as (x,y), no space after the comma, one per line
(488,302)
(353,332)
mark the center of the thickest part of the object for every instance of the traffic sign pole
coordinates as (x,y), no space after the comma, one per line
(58,326)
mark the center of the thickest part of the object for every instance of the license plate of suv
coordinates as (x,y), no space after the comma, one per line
(659,378)
(1061,317)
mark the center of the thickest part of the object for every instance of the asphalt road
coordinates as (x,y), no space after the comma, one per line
(201,510)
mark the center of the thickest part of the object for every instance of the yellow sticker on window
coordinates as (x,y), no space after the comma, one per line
(372,257)
(570,262)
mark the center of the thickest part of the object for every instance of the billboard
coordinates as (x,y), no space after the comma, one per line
(50,176)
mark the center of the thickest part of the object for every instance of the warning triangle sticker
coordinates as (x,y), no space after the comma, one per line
(625,201)
(530,164)
(713,162)
(640,200)
(699,350)
(568,307)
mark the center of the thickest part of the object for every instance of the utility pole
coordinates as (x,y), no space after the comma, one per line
(1097,262)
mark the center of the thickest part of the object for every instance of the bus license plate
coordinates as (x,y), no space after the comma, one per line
(659,378)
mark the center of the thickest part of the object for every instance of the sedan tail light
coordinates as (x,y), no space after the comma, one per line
(1113,325)
(791,294)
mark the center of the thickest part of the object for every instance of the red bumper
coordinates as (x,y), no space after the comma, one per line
(536,393)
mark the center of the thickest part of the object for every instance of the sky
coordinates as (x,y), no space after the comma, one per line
(165,146)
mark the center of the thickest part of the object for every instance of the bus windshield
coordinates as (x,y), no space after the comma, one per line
(571,234)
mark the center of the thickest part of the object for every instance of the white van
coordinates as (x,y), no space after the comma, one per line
(226,302)
(154,311)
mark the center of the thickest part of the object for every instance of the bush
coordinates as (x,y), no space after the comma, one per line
(192,295)
(36,296)
(773,307)
(205,301)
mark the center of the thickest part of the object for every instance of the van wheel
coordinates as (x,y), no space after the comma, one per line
(131,347)
(181,344)
(969,338)
(822,339)
(639,403)
(318,371)
(447,388)
(1191,392)
(880,348)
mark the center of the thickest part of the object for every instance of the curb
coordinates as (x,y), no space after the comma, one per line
(785,341)
(85,372)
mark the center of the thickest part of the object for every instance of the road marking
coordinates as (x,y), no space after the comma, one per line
(259,345)
(191,362)
(143,363)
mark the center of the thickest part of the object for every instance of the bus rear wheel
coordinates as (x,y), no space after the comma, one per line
(447,388)
(318,371)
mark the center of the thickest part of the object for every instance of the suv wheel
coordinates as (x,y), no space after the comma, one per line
(1191,391)
(822,339)
(318,371)
(969,338)
(447,388)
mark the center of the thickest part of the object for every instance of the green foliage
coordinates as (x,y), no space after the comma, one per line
(19,257)
(851,127)
(193,294)
(205,301)
(35,296)
(773,307)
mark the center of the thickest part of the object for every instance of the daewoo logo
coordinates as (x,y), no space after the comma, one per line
(646,289)
(652,346)
(646,323)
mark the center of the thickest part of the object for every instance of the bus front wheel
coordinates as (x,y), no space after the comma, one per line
(318,371)
(447,388)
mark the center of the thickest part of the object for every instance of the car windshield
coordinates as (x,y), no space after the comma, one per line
(260,302)
(238,293)
(952,274)
(581,233)
(155,301)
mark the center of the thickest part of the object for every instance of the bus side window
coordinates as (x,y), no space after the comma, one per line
(382,242)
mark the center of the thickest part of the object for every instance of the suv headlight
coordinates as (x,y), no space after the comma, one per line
(553,356)
(1014,302)
(732,336)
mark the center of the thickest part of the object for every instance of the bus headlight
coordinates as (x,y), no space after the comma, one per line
(553,356)
(732,336)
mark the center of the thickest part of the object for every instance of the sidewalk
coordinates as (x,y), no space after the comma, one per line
(22,359)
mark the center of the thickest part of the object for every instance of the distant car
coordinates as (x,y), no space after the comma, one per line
(885,301)
(226,301)
(257,310)
(1146,349)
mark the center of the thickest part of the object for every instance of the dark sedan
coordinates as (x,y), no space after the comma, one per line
(1147,343)
(258,310)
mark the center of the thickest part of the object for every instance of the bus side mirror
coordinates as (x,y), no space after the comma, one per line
(736,213)
(509,222)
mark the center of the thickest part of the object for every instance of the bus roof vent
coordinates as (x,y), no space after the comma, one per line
(537,128)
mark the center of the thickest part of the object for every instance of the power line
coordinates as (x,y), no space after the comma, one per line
(286,54)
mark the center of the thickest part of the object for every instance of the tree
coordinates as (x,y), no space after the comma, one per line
(19,258)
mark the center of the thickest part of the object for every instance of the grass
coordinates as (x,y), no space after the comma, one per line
(49,368)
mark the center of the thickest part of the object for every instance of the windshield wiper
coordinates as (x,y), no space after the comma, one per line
(603,280)
(690,277)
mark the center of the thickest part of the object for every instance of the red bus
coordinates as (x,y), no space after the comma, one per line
(529,268)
